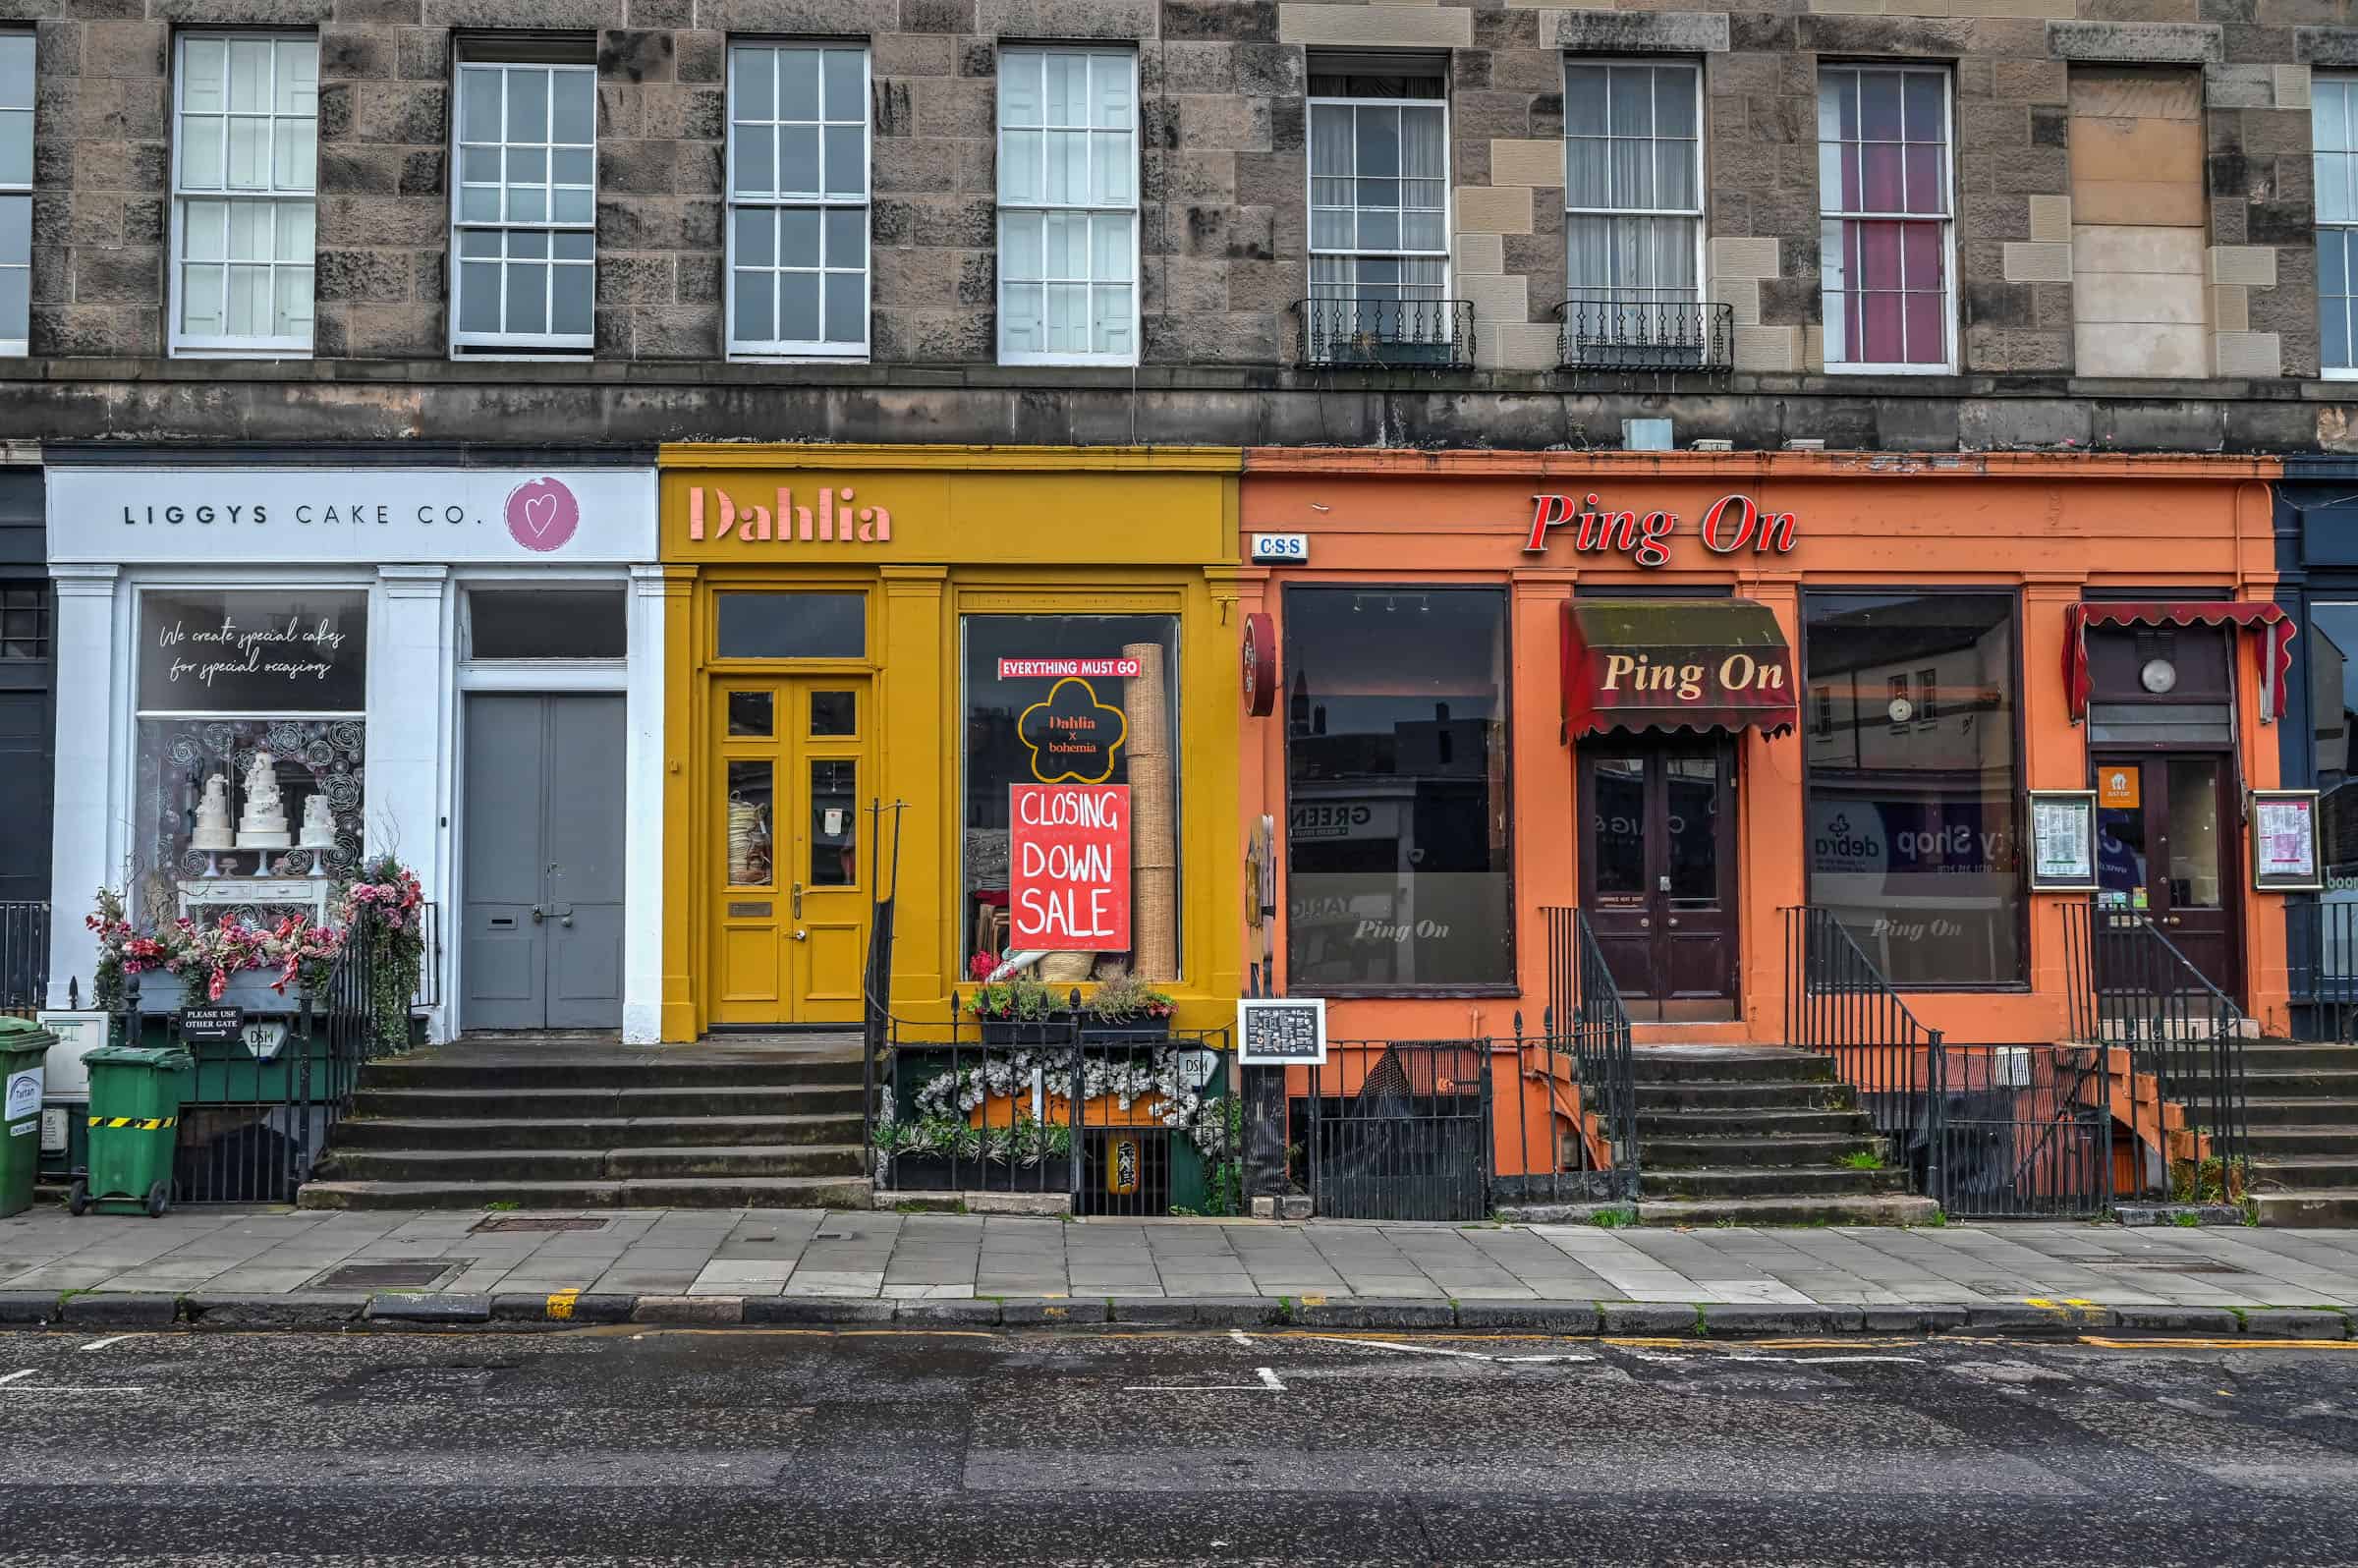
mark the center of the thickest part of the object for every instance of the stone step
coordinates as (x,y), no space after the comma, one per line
(652,1131)
(2294,1173)
(1766,1181)
(1884,1209)
(2269,1142)
(2336,1206)
(782,1192)
(2272,1055)
(2278,1081)
(1752,1148)
(2279,1110)
(693,1068)
(632,1103)
(510,1164)
(1728,1064)
(1740,1099)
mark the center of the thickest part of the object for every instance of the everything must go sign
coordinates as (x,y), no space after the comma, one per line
(1069,867)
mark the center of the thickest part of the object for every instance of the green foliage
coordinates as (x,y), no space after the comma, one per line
(1127,999)
(1613,1219)
(1021,1000)
(1860,1159)
(2186,1218)
(2209,1181)
(1027,1143)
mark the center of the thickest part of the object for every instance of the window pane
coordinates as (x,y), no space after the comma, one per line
(797,159)
(751,713)
(528,104)
(1584,100)
(292,239)
(747,813)
(528,203)
(570,305)
(1112,248)
(846,89)
(1917,817)
(1110,168)
(847,160)
(2334,189)
(532,245)
(1023,247)
(249,154)
(527,298)
(1588,161)
(546,622)
(1879,106)
(847,236)
(1630,102)
(798,236)
(574,206)
(756,312)
(528,165)
(1375,143)
(791,626)
(757,160)
(249,75)
(798,306)
(480,204)
(15,146)
(757,244)
(200,151)
(1397,848)
(296,92)
(479,297)
(798,85)
(1116,719)
(834,822)
(834,714)
(179,684)
(751,74)
(480,117)
(1674,88)
(204,231)
(847,307)
(1925,120)
(1021,153)
(16,230)
(576,94)
(205,74)
(1020,71)
(16,302)
(295,160)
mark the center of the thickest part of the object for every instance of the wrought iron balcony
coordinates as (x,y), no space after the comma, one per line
(1646,329)
(1419,334)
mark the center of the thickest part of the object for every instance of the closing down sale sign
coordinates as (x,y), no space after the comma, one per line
(1069,867)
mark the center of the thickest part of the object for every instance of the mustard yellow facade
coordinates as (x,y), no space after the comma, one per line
(824,610)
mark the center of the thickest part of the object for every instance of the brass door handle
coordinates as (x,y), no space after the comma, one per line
(798,905)
(538,913)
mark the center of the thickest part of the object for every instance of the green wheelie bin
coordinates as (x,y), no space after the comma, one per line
(134,1125)
(23,1052)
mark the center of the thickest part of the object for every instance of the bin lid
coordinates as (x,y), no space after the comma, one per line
(165,1058)
(24,1034)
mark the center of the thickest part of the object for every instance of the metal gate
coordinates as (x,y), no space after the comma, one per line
(1399,1130)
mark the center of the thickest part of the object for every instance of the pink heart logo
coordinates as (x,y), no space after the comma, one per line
(543,514)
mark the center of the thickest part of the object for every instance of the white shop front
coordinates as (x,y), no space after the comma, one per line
(270,674)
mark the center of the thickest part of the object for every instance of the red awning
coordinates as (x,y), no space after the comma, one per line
(1675,664)
(2253,615)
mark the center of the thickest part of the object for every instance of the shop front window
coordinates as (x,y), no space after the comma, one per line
(1912,786)
(1397,848)
(1077,699)
(2334,701)
(251,743)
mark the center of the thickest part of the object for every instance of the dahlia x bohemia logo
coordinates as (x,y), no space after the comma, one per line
(542,514)
(1071,736)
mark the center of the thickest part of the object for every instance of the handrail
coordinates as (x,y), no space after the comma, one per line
(1664,329)
(1839,1004)
(1588,1020)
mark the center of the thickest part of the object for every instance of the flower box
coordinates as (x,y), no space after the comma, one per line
(161,992)
(1145,1030)
(1054,1030)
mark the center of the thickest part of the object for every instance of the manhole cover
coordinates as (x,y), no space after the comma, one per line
(421,1275)
(536,1222)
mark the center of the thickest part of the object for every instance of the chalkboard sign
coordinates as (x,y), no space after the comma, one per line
(215,1025)
(1276,1031)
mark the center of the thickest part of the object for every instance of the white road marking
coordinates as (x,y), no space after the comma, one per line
(13,1376)
(1202,1388)
(112,1339)
(1240,1337)
(1268,1381)
(1795,1361)
(43,1388)
(1439,1350)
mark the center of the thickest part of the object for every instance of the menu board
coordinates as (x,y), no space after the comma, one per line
(2063,841)
(2284,840)
(1281,1030)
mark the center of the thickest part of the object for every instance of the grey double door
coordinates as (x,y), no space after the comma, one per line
(544,868)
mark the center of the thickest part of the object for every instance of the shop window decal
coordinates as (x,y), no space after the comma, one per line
(1071,736)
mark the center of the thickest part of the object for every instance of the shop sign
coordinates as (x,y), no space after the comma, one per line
(2120,789)
(1729,526)
(2062,841)
(1281,1031)
(834,517)
(1071,736)
(1058,669)
(2284,840)
(1261,665)
(1281,549)
(273,652)
(363,517)
(1069,867)
(212,1026)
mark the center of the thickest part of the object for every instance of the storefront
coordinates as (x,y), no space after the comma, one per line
(878,653)
(1685,692)
(2317,524)
(273,671)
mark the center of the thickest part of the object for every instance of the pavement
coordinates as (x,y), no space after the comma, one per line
(649,1446)
(803,1265)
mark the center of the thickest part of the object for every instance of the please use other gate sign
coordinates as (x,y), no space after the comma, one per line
(1069,867)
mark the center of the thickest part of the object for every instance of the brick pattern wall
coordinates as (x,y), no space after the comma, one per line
(1223,233)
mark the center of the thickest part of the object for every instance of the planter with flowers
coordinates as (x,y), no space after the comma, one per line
(383,910)
(1126,1008)
(1017,1011)
(182,962)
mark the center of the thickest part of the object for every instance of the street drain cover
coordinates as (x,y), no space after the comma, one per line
(389,1277)
(536,1222)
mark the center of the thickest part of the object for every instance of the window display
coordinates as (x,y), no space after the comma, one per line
(250,748)
(1075,700)
(1398,846)
(1912,802)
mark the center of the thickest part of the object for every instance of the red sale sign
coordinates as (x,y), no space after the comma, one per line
(1069,867)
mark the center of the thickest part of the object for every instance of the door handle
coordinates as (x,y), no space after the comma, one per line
(801,936)
(1645,924)
(797,906)
(1674,920)
(566,918)
(538,913)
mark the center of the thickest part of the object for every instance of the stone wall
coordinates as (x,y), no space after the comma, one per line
(1223,164)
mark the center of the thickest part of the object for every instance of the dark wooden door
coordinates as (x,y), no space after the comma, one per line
(1657,872)
(2167,843)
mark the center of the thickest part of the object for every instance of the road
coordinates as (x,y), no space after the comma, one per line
(617,1444)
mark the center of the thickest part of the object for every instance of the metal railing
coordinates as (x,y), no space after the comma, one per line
(1588,1078)
(2322,960)
(2022,1132)
(23,957)
(1414,334)
(1838,1004)
(429,962)
(2180,1088)
(1645,330)
(1398,1130)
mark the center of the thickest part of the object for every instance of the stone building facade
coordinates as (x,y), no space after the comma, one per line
(2078,131)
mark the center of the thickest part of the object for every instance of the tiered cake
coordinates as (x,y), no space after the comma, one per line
(264,823)
(212,817)
(318,823)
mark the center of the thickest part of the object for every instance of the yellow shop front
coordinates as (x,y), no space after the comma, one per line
(877,657)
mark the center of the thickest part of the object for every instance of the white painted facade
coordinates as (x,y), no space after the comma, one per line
(415,541)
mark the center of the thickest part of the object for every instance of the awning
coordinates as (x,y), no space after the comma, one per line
(2253,615)
(1675,664)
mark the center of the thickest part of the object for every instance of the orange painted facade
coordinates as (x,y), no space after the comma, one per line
(2051,529)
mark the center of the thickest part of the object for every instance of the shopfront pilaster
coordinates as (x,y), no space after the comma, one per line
(643,848)
(919,773)
(409,722)
(88,843)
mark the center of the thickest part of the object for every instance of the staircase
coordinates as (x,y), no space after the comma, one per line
(1758,1136)
(585,1122)
(2303,1110)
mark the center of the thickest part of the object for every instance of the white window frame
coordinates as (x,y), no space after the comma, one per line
(16,190)
(1946,217)
(1137,325)
(181,344)
(503,345)
(2348,228)
(787,349)
(1309,178)
(1694,67)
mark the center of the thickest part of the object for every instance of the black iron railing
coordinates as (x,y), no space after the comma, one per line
(2322,957)
(2022,1132)
(429,959)
(1645,330)
(1398,1130)
(1587,1079)
(1838,1004)
(23,957)
(1415,334)
(2181,1093)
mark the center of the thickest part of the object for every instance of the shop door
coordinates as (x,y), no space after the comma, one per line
(2165,844)
(543,878)
(1657,872)
(791,930)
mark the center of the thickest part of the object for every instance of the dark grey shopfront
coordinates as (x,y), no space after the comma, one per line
(27,729)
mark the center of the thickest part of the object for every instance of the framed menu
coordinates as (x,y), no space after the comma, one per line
(2284,841)
(2063,841)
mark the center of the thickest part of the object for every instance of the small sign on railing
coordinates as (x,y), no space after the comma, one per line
(212,1026)
(1281,1031)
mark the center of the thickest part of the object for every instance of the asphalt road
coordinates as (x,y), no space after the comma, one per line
(620,1444)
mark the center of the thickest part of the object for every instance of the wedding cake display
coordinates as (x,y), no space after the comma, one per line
(318,824)
(212,817)
(264,823)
